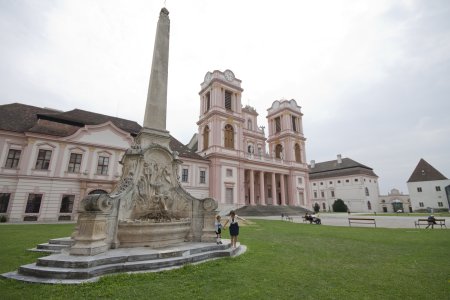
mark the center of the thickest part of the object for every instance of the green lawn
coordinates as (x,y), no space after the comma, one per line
(284,261)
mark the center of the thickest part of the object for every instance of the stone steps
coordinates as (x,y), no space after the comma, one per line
(270,210)
(54,245)
(69,269)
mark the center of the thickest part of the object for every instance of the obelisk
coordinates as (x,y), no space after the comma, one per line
(156,107)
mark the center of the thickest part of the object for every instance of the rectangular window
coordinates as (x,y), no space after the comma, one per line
(346,180)
(419,189)
(228,100)
(208,101)
(4,202)
(321,183)
(294,123)
(440,204)
(322,194)
(74,163)
(102,165)
(229,195)
(315,194)
(229,172)
(300,181)
(332,194)
(33,203)
(202,176)
(356,179)
(438,189)
(184,175)
(43,159)
(314,184)
(12,161)
(331,182)
(277,124)
(339,181)
(67,204)
(421,204)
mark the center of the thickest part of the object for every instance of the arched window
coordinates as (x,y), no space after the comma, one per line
(229,136)
(298,157)
(249,124)
(250,149)
(278,151)
(369,205)
(367,191)
(206,138)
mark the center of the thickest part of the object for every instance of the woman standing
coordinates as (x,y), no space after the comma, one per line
(234,227)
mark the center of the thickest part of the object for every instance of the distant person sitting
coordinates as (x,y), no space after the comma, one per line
(316,219)
(431,221)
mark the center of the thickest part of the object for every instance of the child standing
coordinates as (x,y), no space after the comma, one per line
(218,227)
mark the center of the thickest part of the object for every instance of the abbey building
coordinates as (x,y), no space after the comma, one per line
(51,159)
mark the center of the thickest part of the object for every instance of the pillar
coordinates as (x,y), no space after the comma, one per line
(262,196)
(252,187)
(283,190)
(274,190)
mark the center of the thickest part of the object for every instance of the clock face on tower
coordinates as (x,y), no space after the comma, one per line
(208,76)
(228,75)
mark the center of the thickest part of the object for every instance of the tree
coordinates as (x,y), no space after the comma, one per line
(339,206)
(316,207)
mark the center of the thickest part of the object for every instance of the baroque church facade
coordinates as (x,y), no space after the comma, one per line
(246,168)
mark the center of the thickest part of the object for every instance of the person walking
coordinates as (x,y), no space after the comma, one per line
(234,227)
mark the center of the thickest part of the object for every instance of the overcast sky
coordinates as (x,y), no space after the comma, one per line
(372,77)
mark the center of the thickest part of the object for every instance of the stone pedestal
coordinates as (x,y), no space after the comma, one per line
(91,236)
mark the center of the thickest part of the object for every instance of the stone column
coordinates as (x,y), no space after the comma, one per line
(274,190)
(155,110)
(252,187)
(262,195)
(241,179)
(283,190)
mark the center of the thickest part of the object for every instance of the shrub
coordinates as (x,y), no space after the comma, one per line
(3,219)
(339,206)
(316,207)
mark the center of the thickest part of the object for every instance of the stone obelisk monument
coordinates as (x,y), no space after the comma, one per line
(156,108)
(148,207)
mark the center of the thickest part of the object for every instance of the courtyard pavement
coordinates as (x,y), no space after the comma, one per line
(342,220)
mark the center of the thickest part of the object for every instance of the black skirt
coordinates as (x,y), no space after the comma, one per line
(234,229)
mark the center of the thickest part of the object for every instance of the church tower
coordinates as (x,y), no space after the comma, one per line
(286,140)
(221,122)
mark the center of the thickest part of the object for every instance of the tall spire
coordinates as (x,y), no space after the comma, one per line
(155,110)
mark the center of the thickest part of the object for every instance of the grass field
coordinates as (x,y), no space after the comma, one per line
(284,261)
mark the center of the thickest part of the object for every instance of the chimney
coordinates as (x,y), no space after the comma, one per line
(339,159)
(313,164)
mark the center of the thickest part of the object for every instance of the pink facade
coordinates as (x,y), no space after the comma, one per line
(246,168)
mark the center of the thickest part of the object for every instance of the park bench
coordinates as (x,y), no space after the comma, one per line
(361,221)
(424,222)
(304,219)
(288,218)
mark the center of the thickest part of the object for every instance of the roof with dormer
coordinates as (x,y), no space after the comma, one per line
(425,172)
(333,168)
(22,118)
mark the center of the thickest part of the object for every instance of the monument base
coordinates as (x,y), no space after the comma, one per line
(69,269)
(150,234)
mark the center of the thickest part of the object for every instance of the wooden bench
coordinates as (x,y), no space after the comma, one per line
(304,219)
(361,221)
(287,218)
(424,222)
